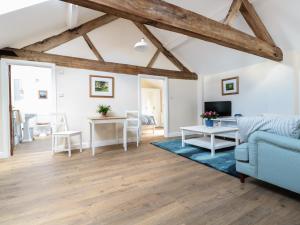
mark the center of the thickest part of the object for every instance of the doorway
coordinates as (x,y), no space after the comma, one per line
(153,106)
(32,97)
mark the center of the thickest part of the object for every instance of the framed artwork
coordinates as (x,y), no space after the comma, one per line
(43,94)
(230,86)
(102,87)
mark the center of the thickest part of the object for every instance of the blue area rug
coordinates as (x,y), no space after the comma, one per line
(223,160)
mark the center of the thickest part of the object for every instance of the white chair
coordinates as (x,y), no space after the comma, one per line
(134,124)
(60,131)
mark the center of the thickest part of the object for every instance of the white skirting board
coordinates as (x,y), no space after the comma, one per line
(3,155)
(86,145)
(174,134)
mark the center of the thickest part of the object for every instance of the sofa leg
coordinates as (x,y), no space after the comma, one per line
(242,177)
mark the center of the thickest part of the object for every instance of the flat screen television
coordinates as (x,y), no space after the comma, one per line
(222,108)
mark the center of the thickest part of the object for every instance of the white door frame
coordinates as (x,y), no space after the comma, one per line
(4,99)
(165,97)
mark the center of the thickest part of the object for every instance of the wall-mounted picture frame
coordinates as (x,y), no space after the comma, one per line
(230,86)
(102,86)
(43,94)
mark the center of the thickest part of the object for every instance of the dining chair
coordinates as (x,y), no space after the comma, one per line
(134,124)
(61,131)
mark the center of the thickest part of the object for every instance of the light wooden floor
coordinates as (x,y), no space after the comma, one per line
(142,186)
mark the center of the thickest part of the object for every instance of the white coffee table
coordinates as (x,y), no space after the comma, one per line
(209,140)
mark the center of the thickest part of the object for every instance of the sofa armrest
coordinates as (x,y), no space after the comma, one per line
(241,152)
(281,141)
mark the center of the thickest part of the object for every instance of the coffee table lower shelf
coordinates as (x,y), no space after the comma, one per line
(209,140)
(205,142)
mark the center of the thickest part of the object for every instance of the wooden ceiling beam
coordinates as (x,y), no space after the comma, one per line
(54,41)
(255,23)
(153,59)
(170,17)
(160,46)
(233,12)
(72,62)
(92,47)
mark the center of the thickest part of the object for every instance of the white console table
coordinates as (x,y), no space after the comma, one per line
(107,120)
(209,142)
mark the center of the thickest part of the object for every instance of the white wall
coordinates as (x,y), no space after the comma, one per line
(4,113)
(267,87)
(73,85)
(183,104)
(200,98)
(73,99)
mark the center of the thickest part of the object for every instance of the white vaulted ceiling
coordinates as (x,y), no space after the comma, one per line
(115,40)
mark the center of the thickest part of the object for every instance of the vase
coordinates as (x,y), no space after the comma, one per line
(209,123)
(103,114)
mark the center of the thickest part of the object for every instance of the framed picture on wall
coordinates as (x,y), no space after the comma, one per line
(102,86)
(230,86)
(43,94)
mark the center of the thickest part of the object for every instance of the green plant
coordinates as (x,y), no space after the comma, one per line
(103,109)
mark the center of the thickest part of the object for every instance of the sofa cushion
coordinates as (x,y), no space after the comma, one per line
(242,153)
(288,126)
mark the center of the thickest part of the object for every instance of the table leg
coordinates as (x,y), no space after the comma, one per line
(53,144)
(125,136)
(69,145)
(237,141)
(90,135)
(93,139)
(182,138)
(80,136)
(117,134)
(212,145)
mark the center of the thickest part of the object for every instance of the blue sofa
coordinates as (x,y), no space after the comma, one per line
(271,158)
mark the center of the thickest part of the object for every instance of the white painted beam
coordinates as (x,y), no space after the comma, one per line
(72,16)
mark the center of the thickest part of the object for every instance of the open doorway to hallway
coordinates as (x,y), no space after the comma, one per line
(152,107)
(32,101)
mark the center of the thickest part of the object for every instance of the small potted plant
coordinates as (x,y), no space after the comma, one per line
(209,117)
(103,109)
